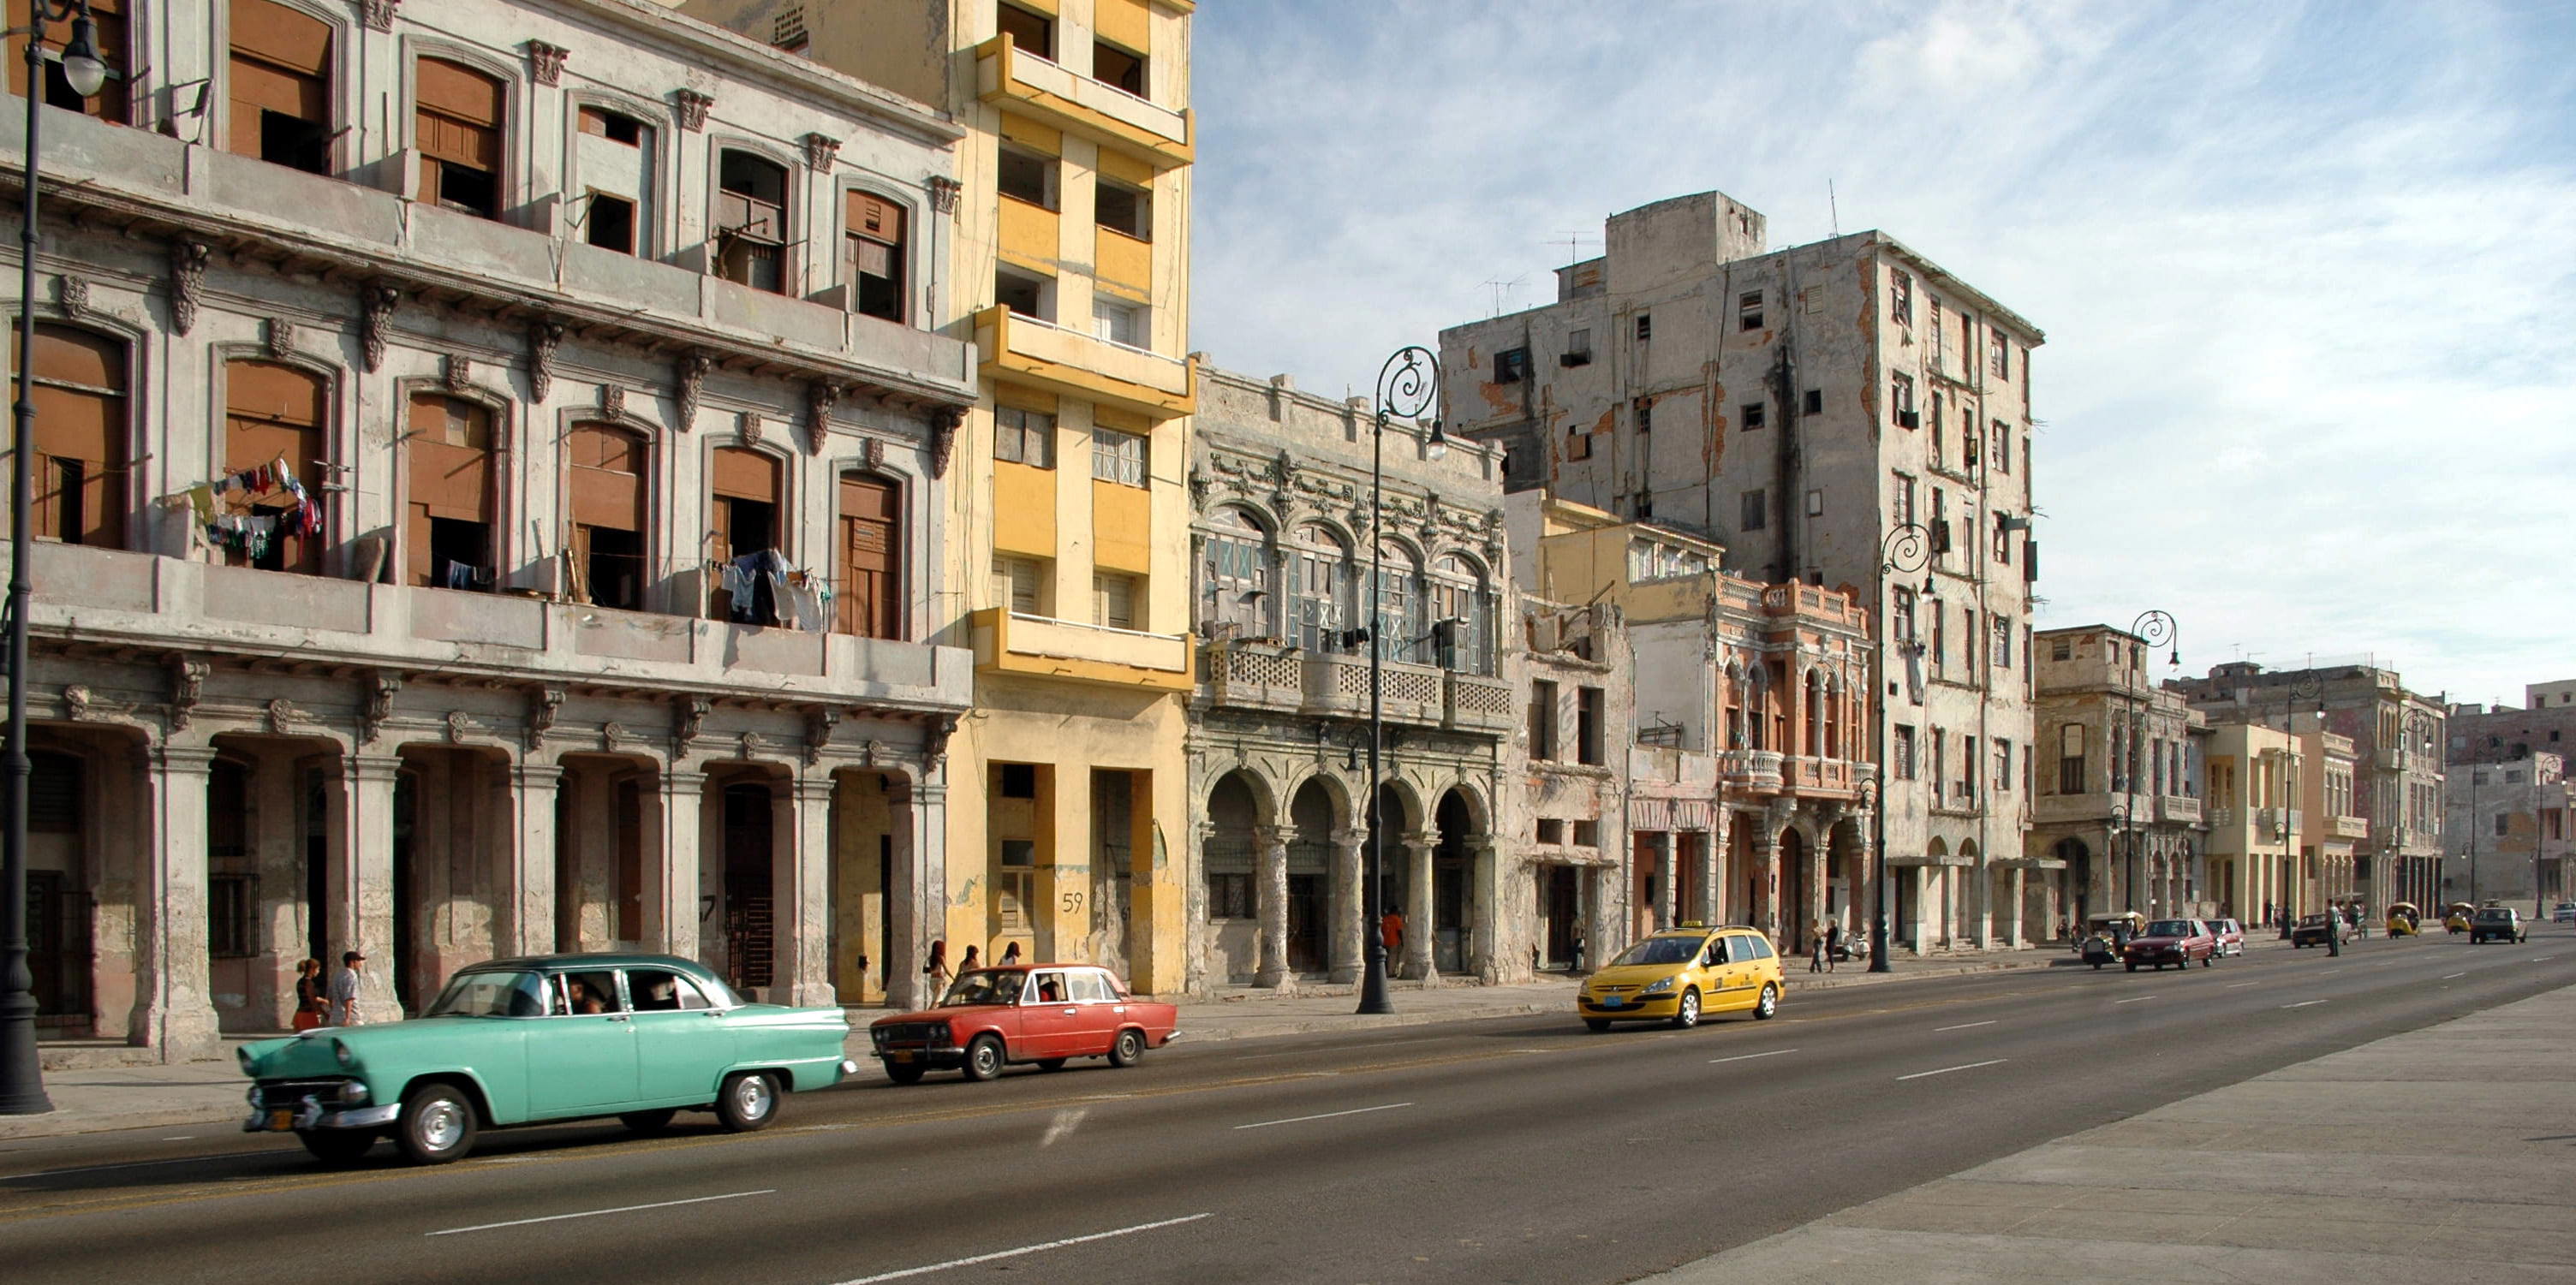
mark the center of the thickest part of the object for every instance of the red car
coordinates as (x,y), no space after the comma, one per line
(1041,1014)
(2171,941)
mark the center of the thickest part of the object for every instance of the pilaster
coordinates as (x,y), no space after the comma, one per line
(1270,866)
(533,788)
(362,915)
(174,1011)
(671,897)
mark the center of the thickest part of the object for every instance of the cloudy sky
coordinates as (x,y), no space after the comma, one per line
(2305,269)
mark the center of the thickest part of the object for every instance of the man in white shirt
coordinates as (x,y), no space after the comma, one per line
(344,991)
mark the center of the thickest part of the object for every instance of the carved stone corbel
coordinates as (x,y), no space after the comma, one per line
(187,687)
(943,436)
(457,372)
(934,738)
(376,303)
(76,702)
(820,151)
(280,336)
(381,689)
(690,373)
(747,427)
(819,722)
(544,704)
(547,61)
(544,339)
(689,713)
(943,193)
(693,107)
(71,293)
(187,282)
(458,727)
(281,716)
(380,14)
(821,395)
(612,400)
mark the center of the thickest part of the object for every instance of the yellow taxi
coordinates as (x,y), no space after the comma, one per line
(1678,974)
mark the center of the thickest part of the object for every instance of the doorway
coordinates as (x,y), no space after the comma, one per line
(749,858)
(1560,911)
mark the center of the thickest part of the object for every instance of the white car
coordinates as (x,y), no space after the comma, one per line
(2563,913)
(2230,935)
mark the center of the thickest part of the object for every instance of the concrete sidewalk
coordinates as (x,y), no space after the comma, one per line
(2447,1153)
(207,1093)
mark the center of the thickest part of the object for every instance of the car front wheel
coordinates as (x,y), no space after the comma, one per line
(1767,1007)
(747,1102)
(1128,1049)
(436,1125)
(984,1058)
(1686,1015)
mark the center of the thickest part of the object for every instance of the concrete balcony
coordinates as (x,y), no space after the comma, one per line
(1085,365)
(2270,824)
(2348,828)
(1337,686)
(1758,770)
(2221,818)
(2061,809)
(1010,642)
(1818,604)
(1103,113)
(318,225)
(1478,704)
(1240,675)
(2177,808)
(1834,778)
(115,597)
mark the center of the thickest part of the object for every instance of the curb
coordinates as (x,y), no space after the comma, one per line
(28,1128)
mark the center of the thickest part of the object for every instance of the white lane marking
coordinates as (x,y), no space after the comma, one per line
(1743,1057)
(1301,1119)
(594,1213)
(2136,999)
(2537,958)
(1962,1026)
(1948,1069)
(185,1137)
(2455,975)
(1015,1253)
(2330,972)
(1063,1125)
(2232,986)
(2303,1003)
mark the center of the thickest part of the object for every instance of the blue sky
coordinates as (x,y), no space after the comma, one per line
(2308,272)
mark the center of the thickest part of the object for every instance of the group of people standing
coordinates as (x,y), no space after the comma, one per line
(937,969)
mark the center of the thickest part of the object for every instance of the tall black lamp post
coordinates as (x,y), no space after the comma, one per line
(2155,631)
(22,1082)
(2309,686)
(1407,385)
(1908,549)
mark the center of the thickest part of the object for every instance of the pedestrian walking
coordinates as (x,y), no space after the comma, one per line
(969,963)
(344,991)
(1816,950)
(937,969)
(1390,931)
(1835,946)
(312,995)
(1010,954)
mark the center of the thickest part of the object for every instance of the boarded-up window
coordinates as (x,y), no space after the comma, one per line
(281,85)
(274,413)
(606,476)
(871,571)
(458,132)
(82,427)
(448,531)
(872,251)
(110,104)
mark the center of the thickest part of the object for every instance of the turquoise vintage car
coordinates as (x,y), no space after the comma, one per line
(543,1039)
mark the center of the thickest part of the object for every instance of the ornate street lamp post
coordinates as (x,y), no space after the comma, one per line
(1908,549)
(2155,630)
(22,1084)
(2310,686)
(1407,385)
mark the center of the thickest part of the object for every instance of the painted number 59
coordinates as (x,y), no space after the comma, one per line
(1073,903)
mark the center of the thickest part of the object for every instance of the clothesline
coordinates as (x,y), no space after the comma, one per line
(250,533)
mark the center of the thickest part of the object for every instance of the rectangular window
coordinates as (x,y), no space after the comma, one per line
(1511,365)
(1542,728)
(1587,834)
(1578,349)
(1748,310)
(1904,752)
(1024,293)
(1645,326)
(1118,322)
(1578,443)
(1115,599)
(2003,767)
(872,252)
(1116,67)
(2061,649)
(1968,769)
(1815,403)
(1645,412)
(609,222)
(1551,831)
(1998,354)
(1901,397)
(1024,175)
(2002,450)
(1588,739)
(1030,33)
(751,222)
(1901,300)
(280,85)
(1024,436)
(1751,513)
(1119,457)
(2070,759)
(1020,583)
(2500,823)
(1753,415)
(1126,210)
(1901,498)
(232,915)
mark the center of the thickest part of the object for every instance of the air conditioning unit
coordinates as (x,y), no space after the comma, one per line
(1909,419)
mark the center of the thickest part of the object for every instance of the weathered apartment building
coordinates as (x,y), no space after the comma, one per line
(1066,567)
(2397,738)
(2117,817)
(491,487)
(1285,553)
(2505,824)
(1746,756)
(2546,724)
(1800,408)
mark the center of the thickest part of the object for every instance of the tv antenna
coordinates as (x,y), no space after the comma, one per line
(1573,242)
(1833,210)
(1500,289)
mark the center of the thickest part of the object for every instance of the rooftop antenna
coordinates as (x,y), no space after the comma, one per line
(1501,288)
(1573,240)
(1832,209)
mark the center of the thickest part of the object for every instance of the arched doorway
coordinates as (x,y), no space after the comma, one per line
(1962,885)
(1848,900)
(1230,859)
(1453,896)
(1311,890)
(2078,881)
(1791,924)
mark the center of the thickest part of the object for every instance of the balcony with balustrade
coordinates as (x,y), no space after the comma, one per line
(1068,100)
(1280,679)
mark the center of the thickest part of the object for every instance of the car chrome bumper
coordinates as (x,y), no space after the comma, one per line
(312,1116)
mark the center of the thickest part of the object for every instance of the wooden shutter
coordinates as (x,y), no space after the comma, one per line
(607,477)
(459,116)
(871,604)
(275,412)
(745,475)
(448,451)
(281,62)
(81,431)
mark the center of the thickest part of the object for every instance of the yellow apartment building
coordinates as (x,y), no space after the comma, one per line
(2256,824)
(1067,235)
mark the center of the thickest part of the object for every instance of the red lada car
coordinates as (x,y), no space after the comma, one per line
(2171,941)
(1041,1014)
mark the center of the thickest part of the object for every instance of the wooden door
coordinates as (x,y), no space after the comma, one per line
(870,574)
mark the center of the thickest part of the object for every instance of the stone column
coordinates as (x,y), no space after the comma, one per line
(1819,897)
(174,1009)
(671,892)
(1765,912)
(918,901)
(277,843)
(362,914)
(1270,866)
(1668,883)
(801,951)
(2021,910)
(1353,917)
(531,927)
(1706,859)
(1419,929)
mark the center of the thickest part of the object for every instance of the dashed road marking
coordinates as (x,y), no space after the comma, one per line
(2303,1003)
(1746,1057)
(1023,1250)
(1301,1119)
(1960,1027)
(594,1213)
(1948,1069)
(2135,999)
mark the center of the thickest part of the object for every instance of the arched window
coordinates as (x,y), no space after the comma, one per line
(1398,622)
(274,414)
(82,428)
(751,221)
(606,478)
(1815,713)
(871,557)
(457,128)
(280,85)
(1735,734)
(872,252)
(1323,597)
(1461,616)
(743,522)
(450,505)
(1235,576)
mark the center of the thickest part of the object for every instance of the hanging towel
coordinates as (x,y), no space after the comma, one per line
(201,498)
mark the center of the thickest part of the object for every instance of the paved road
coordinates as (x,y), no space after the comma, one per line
(1509,1150)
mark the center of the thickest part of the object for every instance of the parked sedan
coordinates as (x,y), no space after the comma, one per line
(2497,923)
(2563,913)
(1042,1014)
(2177,942)
(544,1039)
(2229,934)
(2316,930)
